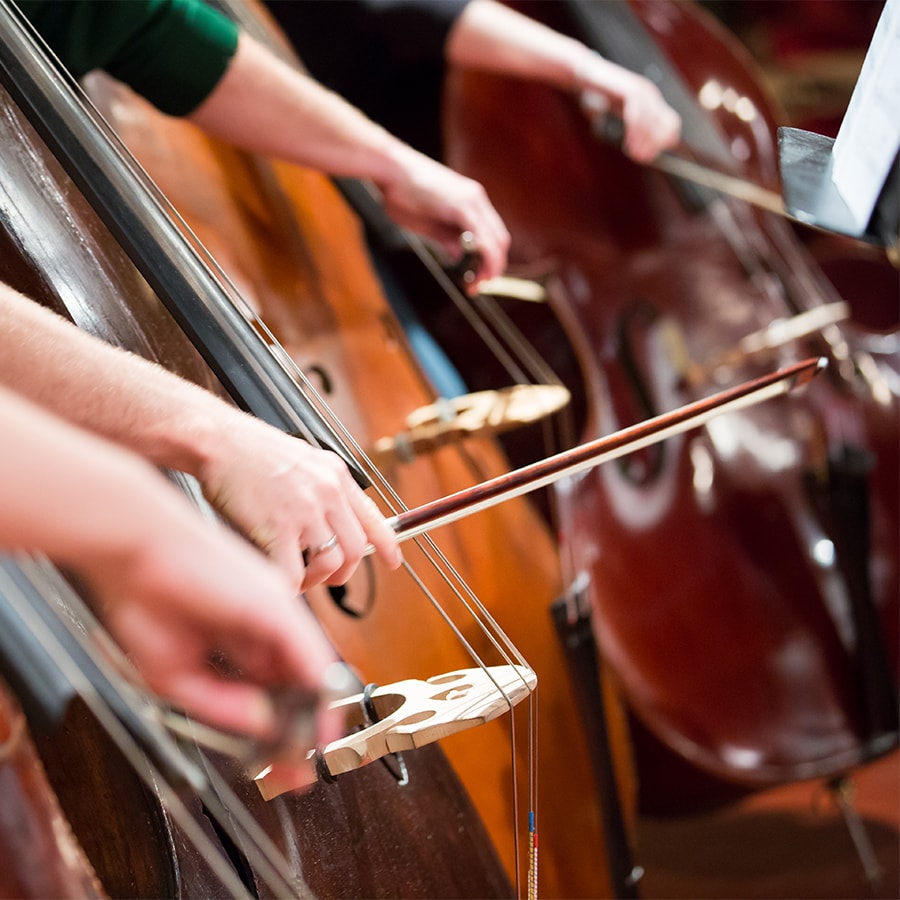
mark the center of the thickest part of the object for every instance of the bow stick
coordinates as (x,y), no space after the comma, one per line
(530,478)
(411,713)
(612,129)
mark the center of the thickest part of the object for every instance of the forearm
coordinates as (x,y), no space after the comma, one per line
(173,590)
(52,476)
(266,106)
(108,391)
(493,37)
(281,492)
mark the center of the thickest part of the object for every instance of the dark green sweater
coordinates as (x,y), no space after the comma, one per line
(172,52)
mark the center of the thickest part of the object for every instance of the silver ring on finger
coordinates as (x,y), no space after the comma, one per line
(312,552)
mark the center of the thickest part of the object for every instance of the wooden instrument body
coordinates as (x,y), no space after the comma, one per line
(363,836)
(723,581)
(295,253)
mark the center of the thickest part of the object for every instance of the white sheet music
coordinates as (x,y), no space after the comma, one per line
(869,136)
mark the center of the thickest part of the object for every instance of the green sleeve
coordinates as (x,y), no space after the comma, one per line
(172,52)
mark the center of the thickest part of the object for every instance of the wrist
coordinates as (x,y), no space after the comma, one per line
(392,162)
(128,545)
(136,502)
(199,445)
(184,427)
(217,447)
(583,61)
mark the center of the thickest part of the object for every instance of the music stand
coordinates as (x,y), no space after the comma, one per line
(851,184)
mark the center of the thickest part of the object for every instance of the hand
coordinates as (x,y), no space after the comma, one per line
(178,593)
(287,496)
(651,125)
(441,204)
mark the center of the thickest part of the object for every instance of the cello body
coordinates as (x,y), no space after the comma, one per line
(294,251)
(363,836)
(742,577)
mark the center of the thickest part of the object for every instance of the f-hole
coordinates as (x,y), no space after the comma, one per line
(634,402)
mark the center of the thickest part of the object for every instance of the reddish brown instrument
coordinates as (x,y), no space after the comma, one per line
(363,836)
(741,618)
(292,249)
(41,857)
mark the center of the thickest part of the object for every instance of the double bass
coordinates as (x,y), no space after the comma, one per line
(289,285)
(743,579)
(339,838)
